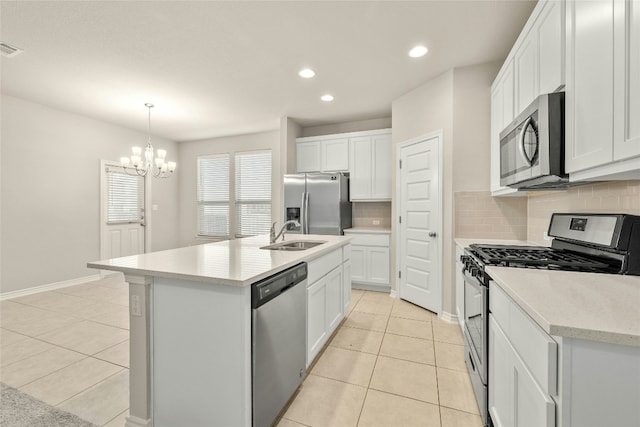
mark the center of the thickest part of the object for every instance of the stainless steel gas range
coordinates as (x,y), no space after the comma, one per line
(596,243)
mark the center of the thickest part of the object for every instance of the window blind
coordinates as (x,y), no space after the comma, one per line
(213,195)
(125,197)
(253,192)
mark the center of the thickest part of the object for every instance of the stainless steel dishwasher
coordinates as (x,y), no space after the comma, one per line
(278,339)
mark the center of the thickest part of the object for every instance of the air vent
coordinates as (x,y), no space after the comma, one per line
(8,50)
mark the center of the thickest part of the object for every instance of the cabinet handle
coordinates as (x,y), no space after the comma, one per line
(432,234)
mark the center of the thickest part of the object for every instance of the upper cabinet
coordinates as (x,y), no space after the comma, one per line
(370,168)
(603,90)
(322,155)
(534,66)
(365,155)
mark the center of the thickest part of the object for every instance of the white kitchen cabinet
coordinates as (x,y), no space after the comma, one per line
(459,287)
(325,299)
(335,155)
(502,100)
(316,318)
(602,93)
(534,66)
(370,260)
(346,285)
(308,156)
(526,72)
(334,299)
(515,399)
(370,167)
(322,154)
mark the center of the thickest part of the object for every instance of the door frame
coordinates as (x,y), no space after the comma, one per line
(103,210)
(439,134)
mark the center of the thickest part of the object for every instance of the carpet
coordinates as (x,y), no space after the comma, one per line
(21,410)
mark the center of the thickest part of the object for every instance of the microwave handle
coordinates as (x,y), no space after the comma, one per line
(523,133)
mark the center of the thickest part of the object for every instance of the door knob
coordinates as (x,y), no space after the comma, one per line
(432,234)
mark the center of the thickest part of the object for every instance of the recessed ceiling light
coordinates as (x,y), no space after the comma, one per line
(307,73)
(418,51)
(327,98)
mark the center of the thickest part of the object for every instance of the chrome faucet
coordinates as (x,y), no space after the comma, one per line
(272,235)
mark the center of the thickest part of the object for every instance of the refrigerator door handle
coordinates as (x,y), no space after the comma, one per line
(306,212)
(303,212)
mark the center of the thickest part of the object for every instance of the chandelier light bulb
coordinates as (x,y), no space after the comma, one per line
(157,166)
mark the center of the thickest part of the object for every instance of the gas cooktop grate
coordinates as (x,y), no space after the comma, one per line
(536,257)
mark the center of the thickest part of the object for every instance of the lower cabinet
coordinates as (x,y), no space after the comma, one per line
(515,399)
(370,259)
(328,298)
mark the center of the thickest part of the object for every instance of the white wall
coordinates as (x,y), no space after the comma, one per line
(424,110)
(355,126)
(51,192)
(457,102)
(188,158)
(472,126)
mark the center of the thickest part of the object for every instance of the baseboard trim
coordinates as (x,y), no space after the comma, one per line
(452,318)
(370,287)
(48,287)
(132,421)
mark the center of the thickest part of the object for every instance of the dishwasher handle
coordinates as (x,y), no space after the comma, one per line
(267,289)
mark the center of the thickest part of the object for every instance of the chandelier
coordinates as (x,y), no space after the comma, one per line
(158,167)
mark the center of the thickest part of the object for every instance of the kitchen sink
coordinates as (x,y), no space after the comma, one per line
(294,245)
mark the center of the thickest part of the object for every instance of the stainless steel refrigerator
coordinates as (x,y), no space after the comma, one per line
(318,201)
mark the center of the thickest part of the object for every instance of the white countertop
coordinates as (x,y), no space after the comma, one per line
(238,262)
(590,306)
(368,230)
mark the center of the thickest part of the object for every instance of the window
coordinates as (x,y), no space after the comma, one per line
(213,195)
(125,197)
(253,193)
(248,177)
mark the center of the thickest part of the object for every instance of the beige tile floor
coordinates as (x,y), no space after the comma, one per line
(70,349)
(390,364)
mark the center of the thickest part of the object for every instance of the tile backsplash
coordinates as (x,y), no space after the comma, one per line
(479,215)
(366,214)
(611,197)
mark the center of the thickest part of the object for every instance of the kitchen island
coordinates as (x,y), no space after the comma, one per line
(190,324)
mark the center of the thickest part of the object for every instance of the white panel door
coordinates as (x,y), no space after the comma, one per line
(550,46)
(420,226)
(122,231)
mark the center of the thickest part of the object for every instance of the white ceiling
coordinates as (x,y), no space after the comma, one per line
(218,68)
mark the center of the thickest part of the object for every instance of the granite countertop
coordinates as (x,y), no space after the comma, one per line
(238,262)
(368,230)
(590,306)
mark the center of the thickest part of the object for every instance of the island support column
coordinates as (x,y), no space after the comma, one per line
(140,351)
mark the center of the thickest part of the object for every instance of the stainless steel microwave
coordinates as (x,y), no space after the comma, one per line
(532,146)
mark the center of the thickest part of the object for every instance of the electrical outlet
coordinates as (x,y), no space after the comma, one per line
(376,222)
(154,207)
(136,308)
